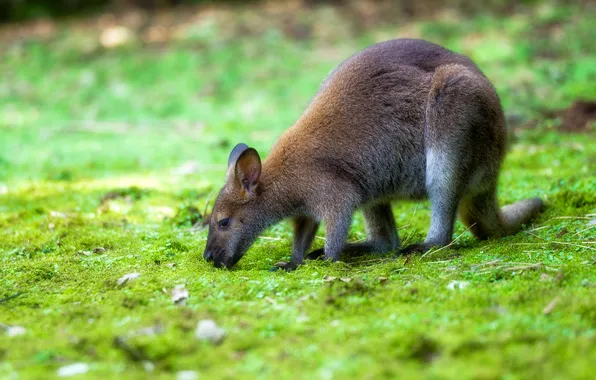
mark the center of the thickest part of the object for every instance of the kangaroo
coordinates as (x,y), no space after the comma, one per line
(402,119)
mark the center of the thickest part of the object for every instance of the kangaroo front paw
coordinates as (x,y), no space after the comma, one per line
(287,266)
(316,254)
(414,248)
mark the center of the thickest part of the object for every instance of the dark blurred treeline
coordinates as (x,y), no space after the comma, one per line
(20,10)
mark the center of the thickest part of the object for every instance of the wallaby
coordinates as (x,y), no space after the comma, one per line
(402,119)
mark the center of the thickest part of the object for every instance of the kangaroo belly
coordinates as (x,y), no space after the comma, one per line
(399,174)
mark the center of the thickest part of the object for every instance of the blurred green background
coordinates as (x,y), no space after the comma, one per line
(153,78)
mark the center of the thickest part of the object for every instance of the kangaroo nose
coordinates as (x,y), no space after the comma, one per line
(208,255)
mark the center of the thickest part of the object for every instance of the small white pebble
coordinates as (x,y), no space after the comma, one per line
(302,318)
(148,366)
(179,295)
(458,285)
(15,330)
(73,369)
(187,375)
(208,330)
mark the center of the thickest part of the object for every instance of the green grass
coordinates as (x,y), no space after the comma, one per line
(91,148)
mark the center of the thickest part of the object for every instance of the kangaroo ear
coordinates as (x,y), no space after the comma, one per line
(235,153)
(248,170)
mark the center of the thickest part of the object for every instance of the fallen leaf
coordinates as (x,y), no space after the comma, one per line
(97,251)
(148,331)
(407,260)
(329,278)
(187,168)
(560,276)
(382,280)
(458,285)
(127,277)
(209,331)
(545,277)
(549,308)
(73,369)
(238,355)
(58,214)
(179,295)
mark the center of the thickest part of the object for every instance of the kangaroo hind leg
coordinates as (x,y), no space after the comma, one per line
(464,138)
(381,233)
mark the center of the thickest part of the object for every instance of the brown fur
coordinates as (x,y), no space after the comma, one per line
(404,119)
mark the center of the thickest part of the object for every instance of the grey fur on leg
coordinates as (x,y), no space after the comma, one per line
(443,210)
(443,187)
(381,233)
(305,229)
(337,228)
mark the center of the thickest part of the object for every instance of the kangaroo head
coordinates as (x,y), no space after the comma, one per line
(236,218)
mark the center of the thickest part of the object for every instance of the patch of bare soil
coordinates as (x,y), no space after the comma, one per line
(580,117)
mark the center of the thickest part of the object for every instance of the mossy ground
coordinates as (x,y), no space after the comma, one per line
(107,162)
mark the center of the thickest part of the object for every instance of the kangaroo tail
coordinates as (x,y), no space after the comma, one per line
(485,219)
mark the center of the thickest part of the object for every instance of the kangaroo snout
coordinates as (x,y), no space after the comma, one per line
(217,256)
(208,255)
(220,257)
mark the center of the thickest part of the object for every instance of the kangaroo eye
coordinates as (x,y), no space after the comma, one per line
(224,222)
